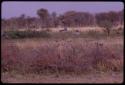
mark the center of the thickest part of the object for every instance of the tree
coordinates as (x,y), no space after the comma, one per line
(121,17)
(22,21)
(43,14)
(113,17)
(54,19)
(106,21)
(77,19)
(107,25)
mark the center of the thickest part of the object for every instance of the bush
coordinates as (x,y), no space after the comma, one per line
(25,34)
(92,33)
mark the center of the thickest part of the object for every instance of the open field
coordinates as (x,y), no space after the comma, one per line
(83,57)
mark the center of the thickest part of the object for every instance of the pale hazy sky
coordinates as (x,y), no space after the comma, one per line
(16,8)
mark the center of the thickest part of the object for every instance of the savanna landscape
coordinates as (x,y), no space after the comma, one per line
(73,47)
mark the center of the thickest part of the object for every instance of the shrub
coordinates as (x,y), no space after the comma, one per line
(26,34)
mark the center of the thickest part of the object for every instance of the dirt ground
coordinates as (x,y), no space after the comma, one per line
(52,78)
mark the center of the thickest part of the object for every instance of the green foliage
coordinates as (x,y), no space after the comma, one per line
(26,34)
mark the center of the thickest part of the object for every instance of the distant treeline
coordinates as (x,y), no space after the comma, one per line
(68,19)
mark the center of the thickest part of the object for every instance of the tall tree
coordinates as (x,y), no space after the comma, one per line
(54,19)
(106,20)
(43,14)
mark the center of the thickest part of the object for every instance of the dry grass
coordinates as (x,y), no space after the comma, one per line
(87,53)
(30,60)
(57,56)
(81,29)
(81,32)
(91,78)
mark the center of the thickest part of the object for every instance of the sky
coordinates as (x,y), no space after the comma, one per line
(16,8)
